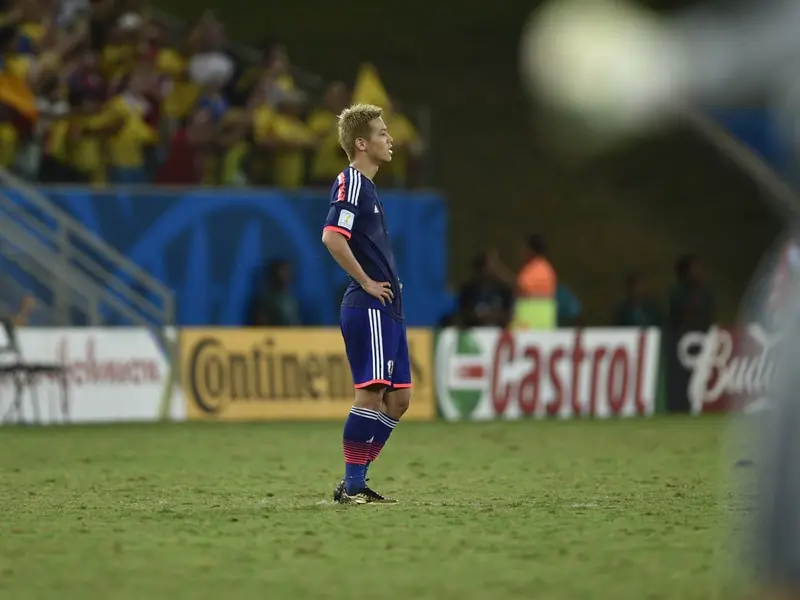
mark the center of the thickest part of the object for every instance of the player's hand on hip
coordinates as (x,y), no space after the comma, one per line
(382,291)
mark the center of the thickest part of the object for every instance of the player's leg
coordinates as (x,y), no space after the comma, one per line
(361,330)
(777,483)
(778,515)
(393,402)
(397,398)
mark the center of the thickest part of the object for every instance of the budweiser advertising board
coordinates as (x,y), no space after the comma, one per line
(719,369)
(488,373)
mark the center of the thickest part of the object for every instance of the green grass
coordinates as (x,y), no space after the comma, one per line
(625,509)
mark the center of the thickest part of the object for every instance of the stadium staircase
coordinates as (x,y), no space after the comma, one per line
(75,277)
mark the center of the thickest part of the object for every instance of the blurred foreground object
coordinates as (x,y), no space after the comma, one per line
(619,69)
(605,62)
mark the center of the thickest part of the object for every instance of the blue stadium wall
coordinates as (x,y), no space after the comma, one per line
(210,245)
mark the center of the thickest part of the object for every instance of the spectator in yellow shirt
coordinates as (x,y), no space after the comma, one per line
(274,67)
(32,19)
(328,159)
(126,46)
(291,138)
(272,84)
(183,93)
(33,24)
(259,162)
(126,147)
(232,141)
(17,97)
(207,129)
(82,146)
(17,52)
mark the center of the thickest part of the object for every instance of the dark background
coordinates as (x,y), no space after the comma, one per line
(636,208)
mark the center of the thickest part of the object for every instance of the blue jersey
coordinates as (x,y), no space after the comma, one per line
(356,212)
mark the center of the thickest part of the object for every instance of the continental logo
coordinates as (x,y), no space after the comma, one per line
(263,373)
(249,373)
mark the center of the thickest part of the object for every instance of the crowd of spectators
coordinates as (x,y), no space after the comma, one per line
(100,91)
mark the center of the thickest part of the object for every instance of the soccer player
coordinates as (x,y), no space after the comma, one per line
(372,321)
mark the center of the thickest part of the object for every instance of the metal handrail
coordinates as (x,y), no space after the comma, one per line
(68,227)
(35,264)
(111,281)
(76,281)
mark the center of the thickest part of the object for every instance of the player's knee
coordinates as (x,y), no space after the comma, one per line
(397,403)
(370,397)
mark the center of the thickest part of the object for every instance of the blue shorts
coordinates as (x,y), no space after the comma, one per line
(377,348)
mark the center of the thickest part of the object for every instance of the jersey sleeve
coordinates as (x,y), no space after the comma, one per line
(343,212)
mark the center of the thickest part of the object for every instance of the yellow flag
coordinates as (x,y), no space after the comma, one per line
(369,88)
(15,93)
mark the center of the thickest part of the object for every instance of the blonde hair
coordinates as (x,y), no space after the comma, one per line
(354,123)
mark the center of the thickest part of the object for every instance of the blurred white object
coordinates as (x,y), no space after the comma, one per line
(70,10)
(211,68)
(130,21)
(606,61)
(621,68)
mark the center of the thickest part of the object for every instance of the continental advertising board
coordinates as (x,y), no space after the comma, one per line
(275,374)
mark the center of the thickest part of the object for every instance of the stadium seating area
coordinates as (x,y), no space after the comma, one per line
(486,155)
(101,92)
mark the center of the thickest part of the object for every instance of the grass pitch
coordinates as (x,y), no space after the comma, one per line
(551,510)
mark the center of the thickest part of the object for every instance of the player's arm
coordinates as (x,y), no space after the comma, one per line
(338,246)
(336,235)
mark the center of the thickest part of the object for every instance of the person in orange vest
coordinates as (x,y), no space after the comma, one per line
(535,286)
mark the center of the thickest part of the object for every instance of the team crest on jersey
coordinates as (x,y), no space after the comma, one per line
(376,211)
(390,366)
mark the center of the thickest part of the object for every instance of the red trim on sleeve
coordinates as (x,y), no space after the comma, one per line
(341,193)
(341,230)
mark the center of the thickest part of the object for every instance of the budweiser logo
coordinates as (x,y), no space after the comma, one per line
(728,365)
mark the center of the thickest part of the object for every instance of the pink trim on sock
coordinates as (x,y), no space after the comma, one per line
(356,453)
(375,451)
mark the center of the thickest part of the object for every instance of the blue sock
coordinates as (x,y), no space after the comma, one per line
(359,429)
(383,429)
